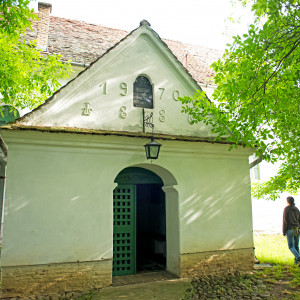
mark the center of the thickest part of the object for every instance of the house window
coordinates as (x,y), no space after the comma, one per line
(142,93)
(254,171)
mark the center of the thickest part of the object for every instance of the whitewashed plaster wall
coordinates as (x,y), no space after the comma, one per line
(60,188)
(107,87)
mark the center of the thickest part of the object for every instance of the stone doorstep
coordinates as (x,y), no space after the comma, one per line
(171,289)
(142,278)
(154,285)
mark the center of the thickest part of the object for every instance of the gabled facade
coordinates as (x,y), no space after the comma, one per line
(82,202)
(110,89)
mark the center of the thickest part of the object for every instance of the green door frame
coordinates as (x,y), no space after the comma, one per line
(124,230)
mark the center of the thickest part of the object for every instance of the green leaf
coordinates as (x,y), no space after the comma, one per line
(256,101)
(27,78)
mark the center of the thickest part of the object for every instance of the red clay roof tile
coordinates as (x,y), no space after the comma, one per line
(82,42)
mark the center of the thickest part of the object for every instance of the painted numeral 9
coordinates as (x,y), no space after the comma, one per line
(123,86)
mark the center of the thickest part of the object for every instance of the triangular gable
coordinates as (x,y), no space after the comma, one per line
(102,96)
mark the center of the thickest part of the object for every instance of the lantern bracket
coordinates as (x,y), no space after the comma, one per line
(147,120)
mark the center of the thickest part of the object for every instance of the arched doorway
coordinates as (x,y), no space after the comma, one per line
(139,229)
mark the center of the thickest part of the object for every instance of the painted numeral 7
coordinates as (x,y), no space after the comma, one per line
(162,92)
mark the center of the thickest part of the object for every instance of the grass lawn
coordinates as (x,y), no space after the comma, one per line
(273,249)
(283,280)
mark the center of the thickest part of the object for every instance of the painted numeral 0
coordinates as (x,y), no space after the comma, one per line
(191,119)
(104,87)
(175,95)
(123,86)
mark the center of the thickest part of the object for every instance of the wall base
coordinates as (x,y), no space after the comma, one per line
(216,262)
(56,280)
(61,280)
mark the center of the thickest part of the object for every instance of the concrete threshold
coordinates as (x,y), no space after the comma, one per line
(160,290)
(154,285)
(142,278)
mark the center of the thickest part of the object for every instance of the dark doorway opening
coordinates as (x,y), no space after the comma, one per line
(139,232)
(151,228)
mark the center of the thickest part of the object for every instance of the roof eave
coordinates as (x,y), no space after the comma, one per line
(84,131)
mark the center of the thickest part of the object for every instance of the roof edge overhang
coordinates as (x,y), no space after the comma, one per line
(84,131)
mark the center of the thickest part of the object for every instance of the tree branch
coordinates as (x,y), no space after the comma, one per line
(256,162)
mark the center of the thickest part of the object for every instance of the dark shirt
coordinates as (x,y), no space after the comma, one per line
(291,218)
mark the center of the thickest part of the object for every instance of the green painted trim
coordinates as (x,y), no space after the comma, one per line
(124,230)
(137,176)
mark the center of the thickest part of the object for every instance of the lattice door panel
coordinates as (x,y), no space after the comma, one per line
(124,239)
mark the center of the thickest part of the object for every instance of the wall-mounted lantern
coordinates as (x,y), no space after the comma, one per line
(152,149)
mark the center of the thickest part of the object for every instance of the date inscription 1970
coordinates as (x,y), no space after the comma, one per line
(142,92)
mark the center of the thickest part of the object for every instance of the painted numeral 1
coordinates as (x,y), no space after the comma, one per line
(104,87)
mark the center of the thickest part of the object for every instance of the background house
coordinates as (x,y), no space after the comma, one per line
(267,214)
(83,203)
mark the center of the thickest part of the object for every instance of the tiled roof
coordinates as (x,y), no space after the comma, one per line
(81,42)
(198,59)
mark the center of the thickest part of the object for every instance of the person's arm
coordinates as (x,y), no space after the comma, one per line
(284,221)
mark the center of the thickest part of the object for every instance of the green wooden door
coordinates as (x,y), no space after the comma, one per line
(124,230)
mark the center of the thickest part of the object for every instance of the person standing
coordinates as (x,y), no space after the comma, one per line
(290,227)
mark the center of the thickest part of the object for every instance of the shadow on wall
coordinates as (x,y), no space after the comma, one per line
(227,261)
(218,215)
(36,241)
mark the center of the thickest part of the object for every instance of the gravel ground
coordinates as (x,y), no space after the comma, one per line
(231,286)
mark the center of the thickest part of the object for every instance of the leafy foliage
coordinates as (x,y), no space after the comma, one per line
(256,102)
(27,76)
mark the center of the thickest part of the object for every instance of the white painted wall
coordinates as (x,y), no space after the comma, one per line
(142,53)
(60,187)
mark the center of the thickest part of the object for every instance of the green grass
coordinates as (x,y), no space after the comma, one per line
(273,249)
(282,274)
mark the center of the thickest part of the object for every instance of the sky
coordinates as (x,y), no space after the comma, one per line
(201,22)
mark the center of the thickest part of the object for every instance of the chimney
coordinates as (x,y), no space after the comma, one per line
(43,25)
